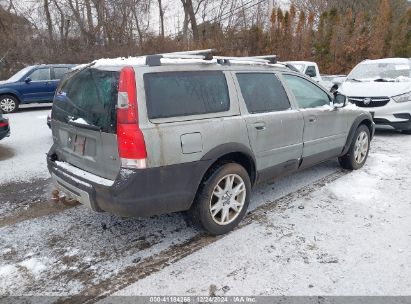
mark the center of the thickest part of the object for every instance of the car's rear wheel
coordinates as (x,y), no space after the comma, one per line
(8,104)
(359,149)
(222,200)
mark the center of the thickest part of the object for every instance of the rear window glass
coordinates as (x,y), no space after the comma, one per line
(173,94)
(89,98)
(263,92)
(59,72)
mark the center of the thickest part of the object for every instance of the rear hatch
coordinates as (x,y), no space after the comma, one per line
(84,121)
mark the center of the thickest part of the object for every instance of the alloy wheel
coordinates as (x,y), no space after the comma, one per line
(227,199)
(7,105)
(361,147)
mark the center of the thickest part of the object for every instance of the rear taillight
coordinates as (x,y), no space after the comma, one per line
(131,145)
(4,124)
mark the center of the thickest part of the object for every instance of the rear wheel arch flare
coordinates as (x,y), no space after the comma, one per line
(240,158)
(225,153)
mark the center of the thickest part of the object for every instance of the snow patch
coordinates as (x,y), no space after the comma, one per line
(80,121)
(35,266)
(23,154)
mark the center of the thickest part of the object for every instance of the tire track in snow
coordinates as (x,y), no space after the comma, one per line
(22,201)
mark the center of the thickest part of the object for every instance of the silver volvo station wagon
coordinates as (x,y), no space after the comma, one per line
(166,133)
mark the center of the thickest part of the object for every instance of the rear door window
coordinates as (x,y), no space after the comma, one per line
(59,72)
(263,92)
(174,94)
(40,75)
(88,98)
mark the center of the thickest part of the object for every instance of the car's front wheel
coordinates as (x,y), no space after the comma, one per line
(8,104)
(223,199)
(359,149)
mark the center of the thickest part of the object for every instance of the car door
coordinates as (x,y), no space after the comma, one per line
(38,87)
(275,129)
(325,127)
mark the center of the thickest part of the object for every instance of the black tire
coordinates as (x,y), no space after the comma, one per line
(407,131)
(348,161)
(200,213)
(9,104)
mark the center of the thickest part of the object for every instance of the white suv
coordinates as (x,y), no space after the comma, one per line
(383,86)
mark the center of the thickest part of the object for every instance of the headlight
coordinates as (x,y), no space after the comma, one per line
(403,97)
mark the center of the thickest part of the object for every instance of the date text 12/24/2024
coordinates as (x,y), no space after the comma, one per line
(203,299)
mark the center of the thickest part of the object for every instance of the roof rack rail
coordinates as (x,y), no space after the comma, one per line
(270,58)
(289,66)
(155,60)
(251,59)
(207,53)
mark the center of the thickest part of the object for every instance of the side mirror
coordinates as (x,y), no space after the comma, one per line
(340,100)
(334,89)
(27,80)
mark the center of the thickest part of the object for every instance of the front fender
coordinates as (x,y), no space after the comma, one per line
(10,91)
(362,118)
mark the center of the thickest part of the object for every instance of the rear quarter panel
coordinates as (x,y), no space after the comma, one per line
(163,137)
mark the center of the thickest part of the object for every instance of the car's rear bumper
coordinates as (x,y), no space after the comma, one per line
(134,193)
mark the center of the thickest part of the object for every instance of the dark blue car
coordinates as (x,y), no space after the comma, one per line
(33,84)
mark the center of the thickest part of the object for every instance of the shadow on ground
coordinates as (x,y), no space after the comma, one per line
(33,108)
(389,133)
(6,152)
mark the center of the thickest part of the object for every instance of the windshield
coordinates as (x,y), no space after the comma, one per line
(19,74)
(394,71)
(88,98)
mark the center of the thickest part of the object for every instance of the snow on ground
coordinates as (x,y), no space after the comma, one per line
(353,237)
(23,154)
(67,252)
(84,248)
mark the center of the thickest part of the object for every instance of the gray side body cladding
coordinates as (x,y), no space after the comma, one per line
(361,119)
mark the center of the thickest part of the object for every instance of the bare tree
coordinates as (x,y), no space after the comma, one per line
(161,14)
(190,15)
(48,19)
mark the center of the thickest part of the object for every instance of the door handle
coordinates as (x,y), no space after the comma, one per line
(259,126)
(312,119)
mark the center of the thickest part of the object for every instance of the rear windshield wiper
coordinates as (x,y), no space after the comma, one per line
(354,79)
(83,125)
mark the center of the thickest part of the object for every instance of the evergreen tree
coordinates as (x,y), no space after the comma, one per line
(299,35)
(308,36)
(380,38)
(401,45)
